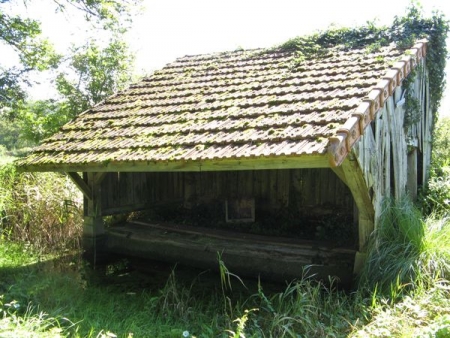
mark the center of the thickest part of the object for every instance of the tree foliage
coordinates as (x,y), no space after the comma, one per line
(83,77)
(92,74)
(99,72)
(24,37)
(34,53)
(436,195)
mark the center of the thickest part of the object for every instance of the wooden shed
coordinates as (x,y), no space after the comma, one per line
(272,161)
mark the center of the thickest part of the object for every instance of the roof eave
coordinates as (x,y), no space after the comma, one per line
(251,163)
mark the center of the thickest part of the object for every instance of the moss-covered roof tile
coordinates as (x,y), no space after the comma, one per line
(234,105)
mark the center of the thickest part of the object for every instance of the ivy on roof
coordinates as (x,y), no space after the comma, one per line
(404,32)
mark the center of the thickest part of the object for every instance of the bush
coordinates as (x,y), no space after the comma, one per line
(436,196)
(43,209)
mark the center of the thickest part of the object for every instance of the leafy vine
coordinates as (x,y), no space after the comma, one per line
(404,32)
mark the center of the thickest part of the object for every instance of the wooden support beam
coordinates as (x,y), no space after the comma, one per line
(81,184)
(94,237)
(253,163)
(252,255)
(357,185)
(340,173)
(412,174)
(351,174)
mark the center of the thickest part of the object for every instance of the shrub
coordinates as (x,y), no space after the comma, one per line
(436,196)
(43,209)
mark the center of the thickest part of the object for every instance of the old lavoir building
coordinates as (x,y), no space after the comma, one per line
(276,159)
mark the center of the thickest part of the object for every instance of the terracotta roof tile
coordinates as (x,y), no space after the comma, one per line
(236,105)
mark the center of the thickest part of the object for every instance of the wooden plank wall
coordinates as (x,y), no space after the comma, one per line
(273,189)
(389,145)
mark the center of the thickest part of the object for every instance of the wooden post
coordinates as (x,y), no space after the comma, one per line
(351,174)
(411,182)
(94,237)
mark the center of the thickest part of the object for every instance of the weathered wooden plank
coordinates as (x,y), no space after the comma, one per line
(98,177)
(246,183)
(250,255)
(385,168)
(93,237)
(412,174)
(273,190)
(427,138)
(339,171)
(137,207)
(265,186)
(283,187)
(279,162)
(190,194)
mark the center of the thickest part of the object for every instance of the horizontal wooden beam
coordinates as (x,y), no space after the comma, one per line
(81,184)
(279,162)
(247,254)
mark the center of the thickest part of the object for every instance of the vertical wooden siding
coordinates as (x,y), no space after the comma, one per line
(274,189)
(391,150)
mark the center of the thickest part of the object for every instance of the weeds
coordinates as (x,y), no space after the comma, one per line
(176,300)
(435,198)
(407,252)
(43,209)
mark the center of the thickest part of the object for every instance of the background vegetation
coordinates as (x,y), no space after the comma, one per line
(83,76)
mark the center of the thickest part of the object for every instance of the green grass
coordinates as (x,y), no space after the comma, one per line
(80,302)
(47,296)
(46,290)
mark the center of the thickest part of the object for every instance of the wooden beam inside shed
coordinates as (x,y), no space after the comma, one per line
(276,258)
(94,237)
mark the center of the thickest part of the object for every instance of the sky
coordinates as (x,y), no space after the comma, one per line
(173,28)
(164,30)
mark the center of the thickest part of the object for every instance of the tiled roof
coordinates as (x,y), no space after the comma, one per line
(237,105)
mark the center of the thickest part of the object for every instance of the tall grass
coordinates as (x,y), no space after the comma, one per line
(42,209)
(407,250)
(70,302)
(113,305)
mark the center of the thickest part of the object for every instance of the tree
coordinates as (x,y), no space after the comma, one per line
(96,74)
(23,37)
(85,76)
(93,73)
(33,53)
